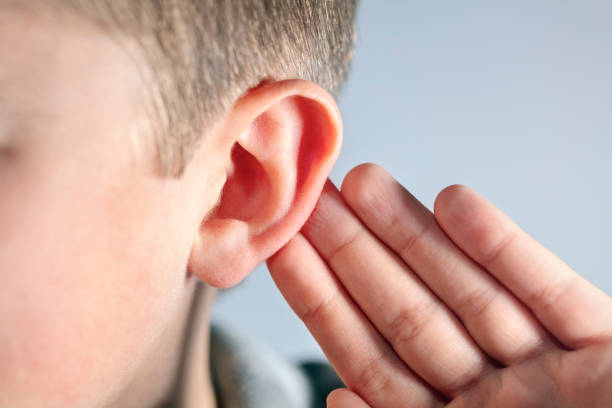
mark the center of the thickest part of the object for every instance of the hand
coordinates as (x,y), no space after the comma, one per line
(457,308)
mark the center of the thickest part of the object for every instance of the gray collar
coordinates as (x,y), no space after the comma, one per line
(247,374)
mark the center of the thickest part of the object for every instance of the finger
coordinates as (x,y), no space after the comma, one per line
(499,323)
(360,356)
(343,398)
(571,308)
(423,332)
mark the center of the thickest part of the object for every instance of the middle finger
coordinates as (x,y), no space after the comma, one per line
(497,321)
(419,327)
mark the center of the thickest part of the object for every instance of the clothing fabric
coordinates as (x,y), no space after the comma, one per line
(248,374)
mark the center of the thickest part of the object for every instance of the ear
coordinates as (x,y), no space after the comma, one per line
(285,139)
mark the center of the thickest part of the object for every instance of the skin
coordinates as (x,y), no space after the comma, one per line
(101,256)
(81,264)
(456,308)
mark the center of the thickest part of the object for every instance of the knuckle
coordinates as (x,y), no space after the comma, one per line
(528,348)
(490,257)
(348,244)
(475,304)
(371,379)
(320,310)
(469,377)
(412,241)
(546,297)
(408,324)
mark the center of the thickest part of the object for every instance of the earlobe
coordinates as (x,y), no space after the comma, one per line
(286,137)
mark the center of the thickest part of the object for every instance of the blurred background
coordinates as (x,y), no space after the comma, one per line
(513,99)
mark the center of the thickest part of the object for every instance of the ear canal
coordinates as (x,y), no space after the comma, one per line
(246,190)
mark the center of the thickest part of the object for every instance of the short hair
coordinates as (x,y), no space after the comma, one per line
(205,54)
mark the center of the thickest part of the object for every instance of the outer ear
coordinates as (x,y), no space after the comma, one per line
(286,137)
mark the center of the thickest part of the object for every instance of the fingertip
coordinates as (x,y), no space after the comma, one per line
(456,207)
(344,398)
(363,185)
(334,397)
(359,176)
(452,196)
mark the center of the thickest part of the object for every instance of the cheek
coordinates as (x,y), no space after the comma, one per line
(88,284)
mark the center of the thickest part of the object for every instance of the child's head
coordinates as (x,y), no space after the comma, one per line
(144,144)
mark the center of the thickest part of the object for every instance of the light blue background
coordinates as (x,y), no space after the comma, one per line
(511,98)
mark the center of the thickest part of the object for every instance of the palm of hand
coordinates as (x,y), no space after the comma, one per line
(458,308)
(558,378)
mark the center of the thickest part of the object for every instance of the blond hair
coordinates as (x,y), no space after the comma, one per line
(205,54)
